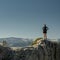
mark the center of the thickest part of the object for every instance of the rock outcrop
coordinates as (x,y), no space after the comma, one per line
(46,50)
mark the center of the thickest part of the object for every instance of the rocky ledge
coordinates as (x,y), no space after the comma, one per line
(46,50)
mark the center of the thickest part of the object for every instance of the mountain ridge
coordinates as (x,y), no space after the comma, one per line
(13,41)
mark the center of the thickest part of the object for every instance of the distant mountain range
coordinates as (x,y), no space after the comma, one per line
(17,42)
(20,42)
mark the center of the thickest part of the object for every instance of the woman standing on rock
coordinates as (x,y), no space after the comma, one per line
(45,28)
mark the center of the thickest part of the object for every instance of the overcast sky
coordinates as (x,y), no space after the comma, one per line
(25,18)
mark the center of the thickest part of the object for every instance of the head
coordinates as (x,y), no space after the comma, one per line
(44,24)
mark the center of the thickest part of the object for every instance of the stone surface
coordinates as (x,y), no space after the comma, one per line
(45,51)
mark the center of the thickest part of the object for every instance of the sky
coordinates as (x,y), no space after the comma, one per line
(25,18)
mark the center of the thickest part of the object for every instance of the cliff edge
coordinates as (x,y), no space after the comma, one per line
(45,50)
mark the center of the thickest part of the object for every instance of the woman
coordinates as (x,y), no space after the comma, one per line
(45,28)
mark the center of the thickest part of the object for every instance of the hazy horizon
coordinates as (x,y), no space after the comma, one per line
(25,18)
